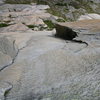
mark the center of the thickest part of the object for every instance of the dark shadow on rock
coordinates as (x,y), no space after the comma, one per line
(79,41)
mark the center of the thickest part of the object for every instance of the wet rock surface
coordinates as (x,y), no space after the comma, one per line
(45,67)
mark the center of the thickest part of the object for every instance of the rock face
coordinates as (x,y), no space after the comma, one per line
(43,67)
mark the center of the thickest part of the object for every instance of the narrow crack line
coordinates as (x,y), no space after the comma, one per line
(13,60)
(23,47)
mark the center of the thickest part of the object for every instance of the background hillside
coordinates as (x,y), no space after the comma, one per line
(68,9)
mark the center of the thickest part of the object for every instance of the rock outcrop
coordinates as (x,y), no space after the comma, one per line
(35,65)
(22,17)
(68,9)
(72,29)
(72,9)
(50,68)
(16,27)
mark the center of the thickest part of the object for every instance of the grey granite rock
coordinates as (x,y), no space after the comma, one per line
(46,67)
(4,89)
(8,51)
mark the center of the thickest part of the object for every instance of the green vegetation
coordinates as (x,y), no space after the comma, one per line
(41,2)
(49,24)
(61,4)
(25,1)
(60,20)
(66,10)
(18,1)
(3,25)
(31,26)
(39,27)
(56,12)
(53,12)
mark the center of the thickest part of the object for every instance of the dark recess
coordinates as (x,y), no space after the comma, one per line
(65,32)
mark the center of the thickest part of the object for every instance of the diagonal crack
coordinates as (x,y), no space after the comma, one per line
(13,60)
(80,41)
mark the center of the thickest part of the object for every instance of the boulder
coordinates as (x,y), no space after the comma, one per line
(29,20)
(70,30)
(16,27)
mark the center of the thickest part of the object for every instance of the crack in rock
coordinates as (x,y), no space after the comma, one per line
(13,60)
